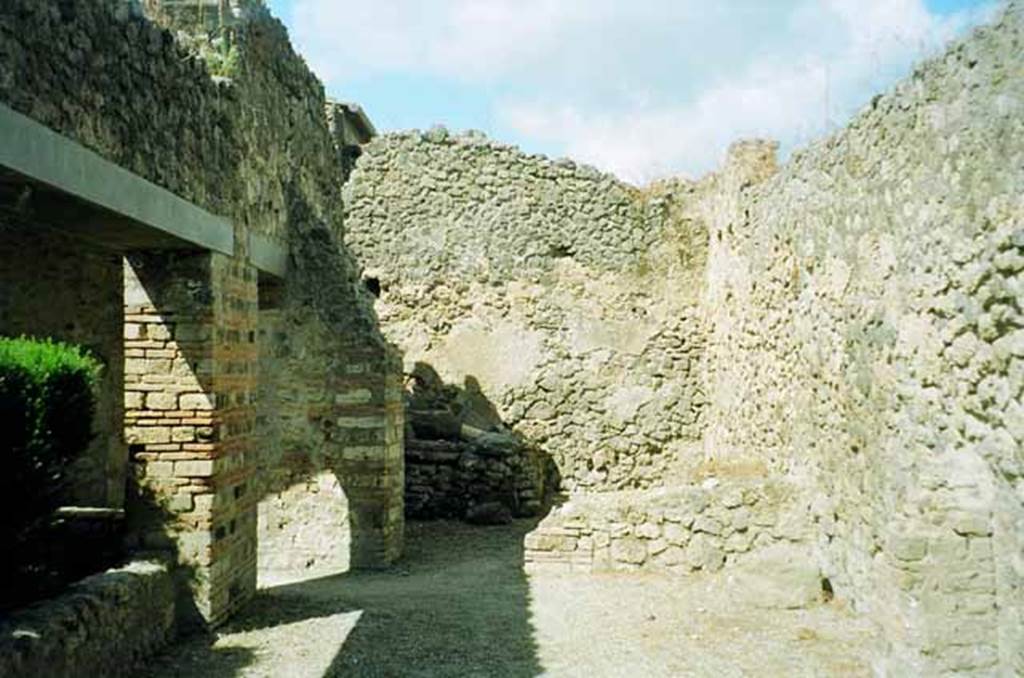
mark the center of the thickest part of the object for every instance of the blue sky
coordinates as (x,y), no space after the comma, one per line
(643,88)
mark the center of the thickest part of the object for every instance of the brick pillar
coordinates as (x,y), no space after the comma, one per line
(371,468)
(190,383)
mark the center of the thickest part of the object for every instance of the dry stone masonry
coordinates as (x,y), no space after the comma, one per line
(811,374)
(564,295)
(846,326)
(865,324)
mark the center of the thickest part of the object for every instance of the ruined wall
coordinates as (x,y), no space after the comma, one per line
(105,625)
(865,339)
(561,294)
(242,135)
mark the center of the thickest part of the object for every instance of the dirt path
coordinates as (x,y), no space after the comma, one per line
(459,605)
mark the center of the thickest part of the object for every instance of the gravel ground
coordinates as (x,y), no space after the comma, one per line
(460,605)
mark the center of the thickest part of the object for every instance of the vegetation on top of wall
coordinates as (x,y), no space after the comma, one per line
(218,48)
(47,402)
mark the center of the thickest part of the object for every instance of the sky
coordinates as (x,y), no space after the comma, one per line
(641,88)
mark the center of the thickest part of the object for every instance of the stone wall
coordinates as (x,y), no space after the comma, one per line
(231,120)
(565,297)
(105,625)
(865,340)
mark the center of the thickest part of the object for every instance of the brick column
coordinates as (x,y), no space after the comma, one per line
(190,383)
(371,468)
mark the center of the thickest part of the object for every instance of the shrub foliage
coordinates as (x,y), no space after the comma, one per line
(47,403)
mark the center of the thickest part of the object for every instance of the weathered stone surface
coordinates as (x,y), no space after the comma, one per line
(849,322)
(862,306)
(780,576)
(640,542)
(105,625)
(566,298)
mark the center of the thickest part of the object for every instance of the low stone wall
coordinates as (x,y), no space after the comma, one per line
(678,530)
(103,626)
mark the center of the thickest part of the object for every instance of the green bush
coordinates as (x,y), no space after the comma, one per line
(47,403)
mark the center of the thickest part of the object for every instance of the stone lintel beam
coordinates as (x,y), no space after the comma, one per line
(139,212)
(267,255)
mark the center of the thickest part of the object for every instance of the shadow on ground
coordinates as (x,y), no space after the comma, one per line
(457,605)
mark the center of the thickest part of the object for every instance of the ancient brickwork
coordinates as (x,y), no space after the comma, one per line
(190,386)
(565,296)
(678,530)
(865,338)
(826,357)
(240,133)
(330,398)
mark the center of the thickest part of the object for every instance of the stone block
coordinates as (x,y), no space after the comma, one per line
(371,421)
(159,469)
(781,576)
(739,542)
(676,534)
(161,401)
(183,434)
(180,502)
(358,396)
(203,401)
(135,366)
(656,546)
(739,518)
(648,531)
(707,524)
(704,553)
(147,434)
(541,541)
(972,525)
(908,547)
(670,557)
(629,550)
(195,468)
(158,332)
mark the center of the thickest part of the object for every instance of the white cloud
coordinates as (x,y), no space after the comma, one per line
(642,88)
(454,38)
(843,52)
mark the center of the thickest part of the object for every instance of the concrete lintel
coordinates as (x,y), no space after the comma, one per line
(37,152)
(268,256)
